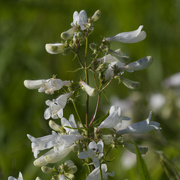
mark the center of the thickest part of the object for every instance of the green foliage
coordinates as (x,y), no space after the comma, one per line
(142,168)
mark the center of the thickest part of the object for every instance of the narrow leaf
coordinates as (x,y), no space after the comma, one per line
(169,167)
(142,168)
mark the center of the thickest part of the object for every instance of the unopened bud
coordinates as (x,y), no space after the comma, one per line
(96,16)
(38,178)
(46,169)
(40,161)
(55,48)
(69,33)
(54,126)
(90,91)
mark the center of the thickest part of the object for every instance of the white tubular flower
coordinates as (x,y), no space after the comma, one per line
(69,33)
(42,143)
(129,37)
(71,123)
(46,85)
(157,101)
(52,157)
(139,64)
(172,81)
(55,48)
(95,152)
(95,174)
(90,91)
(114,120)
(71,166)
(62,177)
(80,19)
(19,178)
(141,127)
(110,70)
(55,109)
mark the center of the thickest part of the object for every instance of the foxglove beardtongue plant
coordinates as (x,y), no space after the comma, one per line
(85,135)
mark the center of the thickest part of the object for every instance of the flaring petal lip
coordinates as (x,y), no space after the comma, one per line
(129,37)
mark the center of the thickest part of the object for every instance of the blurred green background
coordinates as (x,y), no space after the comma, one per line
(27,25)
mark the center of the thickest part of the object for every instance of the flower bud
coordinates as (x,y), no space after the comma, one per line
(38,178)
(96,16)
(40,162)
(69,33)
(90,91)
(46,169)
(54,126)
(33,84)
(55,48)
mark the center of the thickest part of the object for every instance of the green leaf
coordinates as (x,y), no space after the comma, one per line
(169,167)
(97,122)
(142,168)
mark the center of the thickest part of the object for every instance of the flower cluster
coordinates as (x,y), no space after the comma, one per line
(86,136)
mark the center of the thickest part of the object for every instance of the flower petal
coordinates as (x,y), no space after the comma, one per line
(129,37)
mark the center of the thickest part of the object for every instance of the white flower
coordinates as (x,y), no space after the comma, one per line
(42,143)
(71,123)
(61,144)
(90,91)
(95,174)
(114,120)
(95,152)
(62,177)
(55,48)
(46,85)
(52,157)
(172,81)
(19,178)
(110,70)
(71,166)
(69,33)
(156,101)
(139,64)
(129,37)
(80,19)
(55,109)
(141,127)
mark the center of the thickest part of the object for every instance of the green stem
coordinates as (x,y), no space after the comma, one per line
(76,54)
(94,59)
(97,105)
(107,84)
(101,172)
(77,113)
(87,81)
